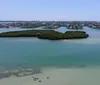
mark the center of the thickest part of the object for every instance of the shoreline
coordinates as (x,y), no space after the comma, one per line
(24,72)
(21,72)
(57,76)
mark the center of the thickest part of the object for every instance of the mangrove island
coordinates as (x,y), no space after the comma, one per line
(47,34)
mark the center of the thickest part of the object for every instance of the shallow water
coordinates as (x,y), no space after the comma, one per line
(32,51)
(35,52)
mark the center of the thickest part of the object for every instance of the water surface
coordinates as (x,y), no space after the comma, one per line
(35,52)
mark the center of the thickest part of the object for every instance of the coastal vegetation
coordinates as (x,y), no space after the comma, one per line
(47,34)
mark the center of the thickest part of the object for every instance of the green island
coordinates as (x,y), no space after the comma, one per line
(47,34)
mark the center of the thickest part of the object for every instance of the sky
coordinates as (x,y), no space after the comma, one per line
(48,10)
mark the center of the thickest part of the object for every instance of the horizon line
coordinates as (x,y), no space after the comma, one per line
(53,20)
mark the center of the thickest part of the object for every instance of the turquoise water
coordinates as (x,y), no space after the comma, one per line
(35,52)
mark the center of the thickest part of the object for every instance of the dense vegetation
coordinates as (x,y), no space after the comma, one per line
(46,34)
(75,35)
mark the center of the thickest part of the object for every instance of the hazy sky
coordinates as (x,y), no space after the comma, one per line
(50,10)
